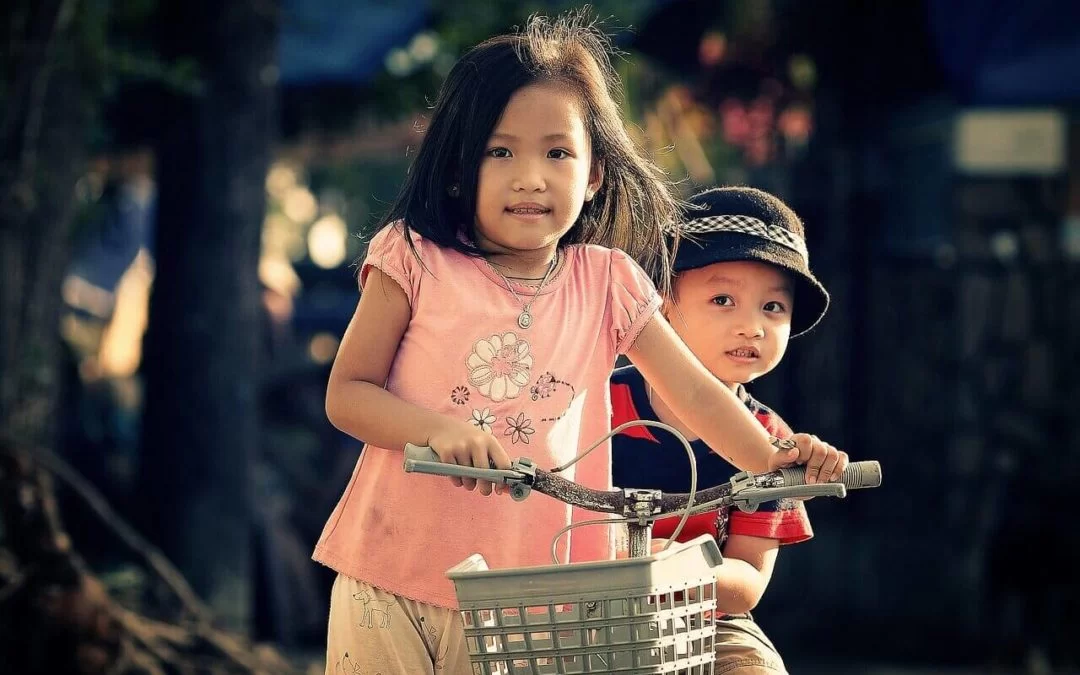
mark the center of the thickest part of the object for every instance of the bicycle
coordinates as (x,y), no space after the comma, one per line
(648,613)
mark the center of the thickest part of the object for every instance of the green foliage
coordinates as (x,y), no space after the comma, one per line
(369,186)
(132,54)
(460,24)
(179,75)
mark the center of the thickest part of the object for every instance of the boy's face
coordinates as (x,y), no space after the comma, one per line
(735,316)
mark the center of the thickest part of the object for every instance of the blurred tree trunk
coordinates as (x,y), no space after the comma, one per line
(201,417)
(51,612)
(45,108)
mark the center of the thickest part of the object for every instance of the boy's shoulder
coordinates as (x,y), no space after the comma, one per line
(627,376)
(629,401)
(769,418)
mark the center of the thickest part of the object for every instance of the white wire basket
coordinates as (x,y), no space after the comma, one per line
(631,616)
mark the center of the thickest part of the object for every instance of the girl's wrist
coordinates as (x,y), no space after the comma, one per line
(443,424)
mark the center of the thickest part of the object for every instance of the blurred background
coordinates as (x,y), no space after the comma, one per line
(181,190)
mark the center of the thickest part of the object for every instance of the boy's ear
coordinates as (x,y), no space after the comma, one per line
(596,179)
(670,309)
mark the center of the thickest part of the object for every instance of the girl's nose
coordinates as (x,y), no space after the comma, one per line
(529,179)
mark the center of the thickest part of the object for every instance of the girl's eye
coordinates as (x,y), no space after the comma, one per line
(774,306)
(723,300)
(558,153)
(498,153)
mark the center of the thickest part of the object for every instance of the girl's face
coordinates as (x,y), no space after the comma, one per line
(734,316)
(536,173)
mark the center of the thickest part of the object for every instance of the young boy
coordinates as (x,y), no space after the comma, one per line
(742,286)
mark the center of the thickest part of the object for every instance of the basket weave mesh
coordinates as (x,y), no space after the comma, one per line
(643,615)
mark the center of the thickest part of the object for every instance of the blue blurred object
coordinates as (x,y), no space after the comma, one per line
(327,301)
(1007,52)
(346,41)
(126,225)
(996,51)
(343,41)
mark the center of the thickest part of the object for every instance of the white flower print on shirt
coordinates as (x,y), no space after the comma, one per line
(499,366)
(482,419)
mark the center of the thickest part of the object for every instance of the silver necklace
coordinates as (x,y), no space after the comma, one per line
(525,319)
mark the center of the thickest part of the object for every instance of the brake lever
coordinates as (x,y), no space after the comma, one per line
(748,497)
(749,500)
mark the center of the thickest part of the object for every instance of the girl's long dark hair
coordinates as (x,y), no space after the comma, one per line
(635,198)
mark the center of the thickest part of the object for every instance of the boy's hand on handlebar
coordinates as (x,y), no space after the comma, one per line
(466,445)
(823,461)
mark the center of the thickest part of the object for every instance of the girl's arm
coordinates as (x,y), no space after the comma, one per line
(708,407)
(358,404)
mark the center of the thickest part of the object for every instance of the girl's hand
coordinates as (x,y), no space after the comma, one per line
(465,445)
(823,461)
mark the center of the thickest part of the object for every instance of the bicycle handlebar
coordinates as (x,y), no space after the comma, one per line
(745,490)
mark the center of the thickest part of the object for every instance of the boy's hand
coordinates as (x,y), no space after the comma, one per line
(823,461)
(466,445)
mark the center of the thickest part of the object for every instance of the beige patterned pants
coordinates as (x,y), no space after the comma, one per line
(743,649)
(372,632)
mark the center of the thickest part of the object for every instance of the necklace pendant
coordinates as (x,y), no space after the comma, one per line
(525,319)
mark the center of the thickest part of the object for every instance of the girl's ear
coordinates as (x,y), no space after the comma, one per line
(596,179)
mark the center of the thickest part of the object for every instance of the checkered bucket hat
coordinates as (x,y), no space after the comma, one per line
(742,223)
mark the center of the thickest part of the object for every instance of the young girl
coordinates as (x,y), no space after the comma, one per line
(492,312)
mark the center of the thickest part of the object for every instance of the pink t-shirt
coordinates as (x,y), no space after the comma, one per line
(543,392)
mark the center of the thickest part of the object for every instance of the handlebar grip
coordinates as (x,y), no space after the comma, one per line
(856,476)
(420,453)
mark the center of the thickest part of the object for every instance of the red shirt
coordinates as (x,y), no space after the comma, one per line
(643,459)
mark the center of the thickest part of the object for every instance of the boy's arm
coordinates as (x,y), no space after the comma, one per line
(742,579)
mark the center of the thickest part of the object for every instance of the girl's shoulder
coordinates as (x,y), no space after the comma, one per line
(612,263)
(596,252)
(591,256)
(408,259)
(393,234)
(391,241)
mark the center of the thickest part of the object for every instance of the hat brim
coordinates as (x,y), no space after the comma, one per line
(811,298)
